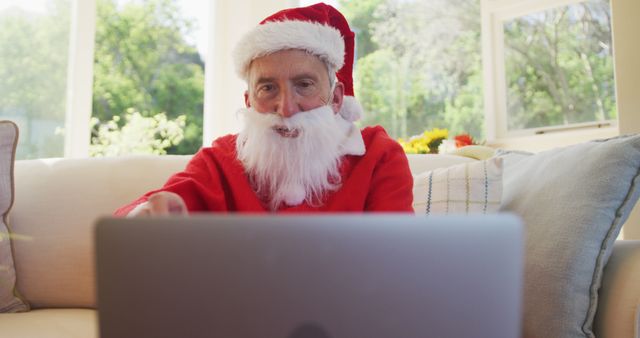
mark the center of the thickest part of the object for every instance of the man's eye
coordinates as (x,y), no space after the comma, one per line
(306,87)
(305,84)
(266,88)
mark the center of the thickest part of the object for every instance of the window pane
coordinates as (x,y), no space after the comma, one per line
(418,64)
(148,90)
(34,44)
(559,66)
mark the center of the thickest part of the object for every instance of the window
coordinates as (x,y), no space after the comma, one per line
(548,65)
(148,89)
(34,45)
(418,64)
(52,93)
(418,67)
(553,66)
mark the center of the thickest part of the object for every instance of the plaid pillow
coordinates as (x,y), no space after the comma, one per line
(474,187)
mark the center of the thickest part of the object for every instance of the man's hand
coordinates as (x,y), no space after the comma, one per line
(162,203)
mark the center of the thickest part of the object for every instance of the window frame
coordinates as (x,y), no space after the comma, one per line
(493,15)
(223,89)
(80,78)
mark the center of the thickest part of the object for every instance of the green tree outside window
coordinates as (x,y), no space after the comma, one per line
(144,63)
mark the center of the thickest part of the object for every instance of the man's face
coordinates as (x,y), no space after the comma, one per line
(290,81)
(291,142)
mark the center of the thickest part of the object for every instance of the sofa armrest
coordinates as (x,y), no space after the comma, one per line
(618,314)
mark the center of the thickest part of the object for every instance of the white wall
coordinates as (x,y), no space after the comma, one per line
(626,53)
(223,89)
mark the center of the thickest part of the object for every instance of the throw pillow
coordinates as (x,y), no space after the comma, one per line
(573,202)
(474,187)
(477,152)
(9,300)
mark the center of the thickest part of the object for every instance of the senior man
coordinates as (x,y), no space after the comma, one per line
(299,150)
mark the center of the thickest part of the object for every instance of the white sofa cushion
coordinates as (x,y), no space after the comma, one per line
(618,312)
(50,323)
(420,163)
(57,203)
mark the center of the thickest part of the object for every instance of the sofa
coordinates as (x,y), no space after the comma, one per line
(58,200)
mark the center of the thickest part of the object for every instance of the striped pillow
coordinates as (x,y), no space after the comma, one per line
(467,188)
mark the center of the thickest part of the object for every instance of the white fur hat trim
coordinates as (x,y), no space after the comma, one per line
(321,40)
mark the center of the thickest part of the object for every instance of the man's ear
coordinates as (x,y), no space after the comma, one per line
(246,99)
(337,97)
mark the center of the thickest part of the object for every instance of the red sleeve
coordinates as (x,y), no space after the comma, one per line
(199,185)
(391,186)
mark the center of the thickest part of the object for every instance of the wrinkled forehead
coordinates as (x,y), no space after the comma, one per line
(288,64)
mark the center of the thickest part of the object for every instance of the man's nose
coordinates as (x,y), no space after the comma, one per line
(287,104)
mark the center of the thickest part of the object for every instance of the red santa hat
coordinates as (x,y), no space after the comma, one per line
(318,29)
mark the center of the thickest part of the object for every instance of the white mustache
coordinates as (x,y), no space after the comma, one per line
(288,127)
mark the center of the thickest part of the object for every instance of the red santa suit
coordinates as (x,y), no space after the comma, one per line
(375,177)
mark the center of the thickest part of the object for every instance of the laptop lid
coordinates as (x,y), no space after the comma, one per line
(372,275)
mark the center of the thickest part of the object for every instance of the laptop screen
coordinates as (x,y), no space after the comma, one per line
(372,275)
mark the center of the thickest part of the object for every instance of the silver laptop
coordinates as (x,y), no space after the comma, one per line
(339,276)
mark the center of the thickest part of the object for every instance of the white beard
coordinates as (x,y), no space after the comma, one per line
(292,160)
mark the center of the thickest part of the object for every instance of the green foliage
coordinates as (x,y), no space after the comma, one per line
(139,135)
(418,67)
(559,66)
(143,62)
(369,84)
(463,113)
(33,72)
(360,16)
(33,55)
(425,72)
(422,65)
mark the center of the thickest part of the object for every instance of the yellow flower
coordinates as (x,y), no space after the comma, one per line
(425,143)
(435,134)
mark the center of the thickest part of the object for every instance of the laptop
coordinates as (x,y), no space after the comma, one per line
(311,276)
